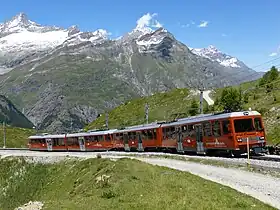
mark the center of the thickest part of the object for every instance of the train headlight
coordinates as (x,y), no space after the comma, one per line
(239,140)
(261,138)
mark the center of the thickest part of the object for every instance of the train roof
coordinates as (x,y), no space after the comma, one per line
(205,117)
(139,127)
(92,133)
(54,136)
(47,136)
(182,121)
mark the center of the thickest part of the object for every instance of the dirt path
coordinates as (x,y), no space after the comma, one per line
(265,188)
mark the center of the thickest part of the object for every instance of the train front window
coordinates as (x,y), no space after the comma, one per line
(258,124)
(243,125)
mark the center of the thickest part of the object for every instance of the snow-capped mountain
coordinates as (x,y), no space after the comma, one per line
(21,38)
(214,54)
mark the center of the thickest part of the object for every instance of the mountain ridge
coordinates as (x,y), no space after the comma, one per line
(11,115)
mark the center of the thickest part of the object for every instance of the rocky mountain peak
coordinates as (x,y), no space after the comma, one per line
(18,23)
(214,54)
(19,18)
(73,30)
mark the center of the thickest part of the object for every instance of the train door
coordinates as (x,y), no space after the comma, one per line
(179,140)
(81,140)
(199,139)
(140,143)
(125,139)
(49,144)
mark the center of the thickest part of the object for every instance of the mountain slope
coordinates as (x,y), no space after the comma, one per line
(10,114)
(70,82)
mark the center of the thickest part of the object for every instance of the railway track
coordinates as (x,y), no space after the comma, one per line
(274,158)
(267,158)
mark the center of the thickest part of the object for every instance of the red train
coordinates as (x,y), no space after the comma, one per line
(203,134)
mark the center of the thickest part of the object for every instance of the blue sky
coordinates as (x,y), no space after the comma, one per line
(247,29)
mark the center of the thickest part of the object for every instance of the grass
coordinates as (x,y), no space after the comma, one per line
(15,137)
(127,184)
(162,106)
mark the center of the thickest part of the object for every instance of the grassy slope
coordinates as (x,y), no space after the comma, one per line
(162,106)
(15,137)
(131,185)
(165,105)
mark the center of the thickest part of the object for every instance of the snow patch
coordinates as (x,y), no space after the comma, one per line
(214,54)
(149,42)
(26,38)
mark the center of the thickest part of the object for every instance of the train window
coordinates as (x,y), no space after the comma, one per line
(100,138)
(171,132)
(243,125)
(61,142)
(216,129)
(150,135)
(191,130)
(90,138)
(184,130)
(116,136)
(225,125)
(107,137)
(72,141)
(144,135)
(120,136)
(258,124)
(54,142)
(155,133)
(207,129)
(132,135)
(165,131)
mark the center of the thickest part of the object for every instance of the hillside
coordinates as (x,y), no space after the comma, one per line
(66,76)
(166,106)
(107,184)
(16,137)
(162,106)
(11,115)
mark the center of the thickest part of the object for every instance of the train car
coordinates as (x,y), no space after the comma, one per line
(140,137)
(48,142)
(212,133)
(97,140)
(84,141)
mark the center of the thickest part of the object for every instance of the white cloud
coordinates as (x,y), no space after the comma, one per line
(203,24)
(273,54)
(157,24)
(277,52)
(224,35)
(192,22)
(148,20)
(181,25)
